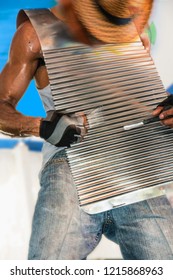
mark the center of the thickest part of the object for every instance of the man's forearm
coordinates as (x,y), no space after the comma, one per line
(15,124)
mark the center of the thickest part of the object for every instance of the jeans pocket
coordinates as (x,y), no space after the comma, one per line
(57,158)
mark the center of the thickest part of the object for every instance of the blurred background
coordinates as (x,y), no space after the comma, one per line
(20,160)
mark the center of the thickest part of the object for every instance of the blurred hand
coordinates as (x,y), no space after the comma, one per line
(62,129)
(165,111)
(145,41)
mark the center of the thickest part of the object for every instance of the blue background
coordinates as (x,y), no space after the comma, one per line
(8,13)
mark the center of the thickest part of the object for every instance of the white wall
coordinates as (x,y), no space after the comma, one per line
(18,190)
(162,50)
(19,185)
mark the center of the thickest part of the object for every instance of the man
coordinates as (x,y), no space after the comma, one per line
(61,230)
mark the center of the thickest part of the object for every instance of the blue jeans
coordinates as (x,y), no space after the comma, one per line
(62,230)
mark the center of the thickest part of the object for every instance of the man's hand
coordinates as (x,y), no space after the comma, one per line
(62,130)
(165,111)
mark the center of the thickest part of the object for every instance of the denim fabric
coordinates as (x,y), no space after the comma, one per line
(62,230)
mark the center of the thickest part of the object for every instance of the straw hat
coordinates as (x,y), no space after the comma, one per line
(113,21)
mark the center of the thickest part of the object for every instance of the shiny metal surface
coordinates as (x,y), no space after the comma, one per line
(112,167)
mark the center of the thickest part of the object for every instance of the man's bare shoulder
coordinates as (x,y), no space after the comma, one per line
(26,42)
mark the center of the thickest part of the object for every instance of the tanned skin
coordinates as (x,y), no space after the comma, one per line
(22,67)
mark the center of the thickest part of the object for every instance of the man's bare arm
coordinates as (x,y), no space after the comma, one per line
(14,80)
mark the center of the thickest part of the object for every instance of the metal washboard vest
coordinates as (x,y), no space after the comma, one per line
(111,167)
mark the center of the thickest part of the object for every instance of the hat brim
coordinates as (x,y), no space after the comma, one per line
(104,30)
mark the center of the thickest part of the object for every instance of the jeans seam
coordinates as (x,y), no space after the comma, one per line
(66,233)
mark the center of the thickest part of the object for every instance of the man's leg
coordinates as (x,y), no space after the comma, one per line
(61,230)
(144,230)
